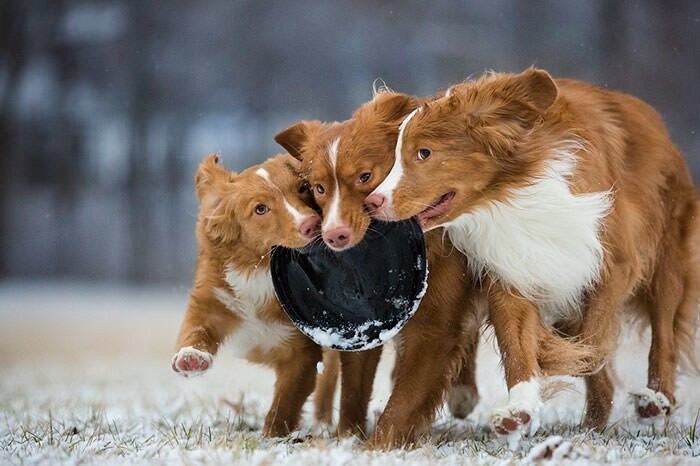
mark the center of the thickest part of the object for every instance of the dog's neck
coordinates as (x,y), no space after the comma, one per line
(243,274)
(540,239)
(243,258)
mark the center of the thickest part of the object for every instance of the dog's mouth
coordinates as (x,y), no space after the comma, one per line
(437,208)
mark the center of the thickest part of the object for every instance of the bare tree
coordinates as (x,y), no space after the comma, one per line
(13,37)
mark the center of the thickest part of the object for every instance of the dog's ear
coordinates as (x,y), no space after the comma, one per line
(210,178)
(220,224)
(523,97)
(213,184)
(502,108)
(297,136)
(393,106)
(533,87)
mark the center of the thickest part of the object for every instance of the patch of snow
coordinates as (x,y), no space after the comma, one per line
(86,384)
(553,448)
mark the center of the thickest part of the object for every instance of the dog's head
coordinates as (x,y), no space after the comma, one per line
(264,206)
(457,151)
(345,161)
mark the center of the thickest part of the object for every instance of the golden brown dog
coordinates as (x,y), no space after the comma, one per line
(570,201)
(431,347)
(242,216)
(344,162)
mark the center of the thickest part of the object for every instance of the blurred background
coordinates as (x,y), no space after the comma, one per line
(107,106)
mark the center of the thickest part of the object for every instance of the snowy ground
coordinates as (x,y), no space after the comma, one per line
(85,378)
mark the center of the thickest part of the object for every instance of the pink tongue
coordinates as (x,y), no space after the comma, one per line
(431,210)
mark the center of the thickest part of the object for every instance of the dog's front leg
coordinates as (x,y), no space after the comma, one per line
(296,377)
(357,371)
(430,351)
(206,325)
(516,321)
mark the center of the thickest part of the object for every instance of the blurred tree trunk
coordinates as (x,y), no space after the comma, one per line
(613,39)
(138,192)
(13,42)
(66,152)
(174,179)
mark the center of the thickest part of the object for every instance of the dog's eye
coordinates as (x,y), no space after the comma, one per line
(320,189)
(261,209)
(305,187)
(364,177)
(423,153)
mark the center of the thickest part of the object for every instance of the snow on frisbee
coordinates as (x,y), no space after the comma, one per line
(359,298)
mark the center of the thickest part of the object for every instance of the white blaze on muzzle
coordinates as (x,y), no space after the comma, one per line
(296,215)
(386,188)
(332,218)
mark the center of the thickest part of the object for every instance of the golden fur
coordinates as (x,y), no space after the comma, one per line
(233,237)
(495,136)
(432,346)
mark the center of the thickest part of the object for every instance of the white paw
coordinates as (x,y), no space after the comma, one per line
(191,362)
(553,448)
(511,424)
(462,400)
(650,406)
(521,415)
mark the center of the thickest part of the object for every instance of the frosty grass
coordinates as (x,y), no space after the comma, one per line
(85,378)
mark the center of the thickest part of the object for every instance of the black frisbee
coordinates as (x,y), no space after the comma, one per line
(359,298)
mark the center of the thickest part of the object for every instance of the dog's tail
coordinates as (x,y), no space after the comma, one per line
(559,355)
(685,321)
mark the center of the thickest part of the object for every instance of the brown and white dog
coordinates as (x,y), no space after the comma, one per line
(344,162)
(241,218)
(570,201)
(431,347)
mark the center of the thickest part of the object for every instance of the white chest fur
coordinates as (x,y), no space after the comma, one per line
(543,241)
(251,291)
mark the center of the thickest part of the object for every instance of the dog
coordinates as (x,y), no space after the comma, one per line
(569,201)
(432,345)
(241,218)
(363,156)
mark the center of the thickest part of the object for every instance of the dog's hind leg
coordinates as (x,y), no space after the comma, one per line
(464,395)
(673,309)
(296,376)
(326,383)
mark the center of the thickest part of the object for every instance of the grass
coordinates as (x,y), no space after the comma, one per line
(213,432)
(86,385)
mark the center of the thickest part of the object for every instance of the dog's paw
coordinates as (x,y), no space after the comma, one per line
(462,400)
(553,448)
(521,415)
(511,424)
(506,421)
(650,405)
(191,362)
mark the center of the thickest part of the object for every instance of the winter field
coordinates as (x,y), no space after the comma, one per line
(85,378)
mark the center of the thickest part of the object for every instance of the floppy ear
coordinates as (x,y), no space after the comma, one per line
(506,107)
(294,138)
(218,223)
(209,179)
(533,87)
(392,106)
(292,163)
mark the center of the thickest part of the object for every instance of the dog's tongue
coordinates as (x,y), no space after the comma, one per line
(439,207)
(359,298)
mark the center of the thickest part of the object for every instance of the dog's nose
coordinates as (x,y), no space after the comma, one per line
(375,201)
(310,226)
(338,237)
